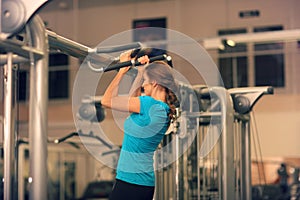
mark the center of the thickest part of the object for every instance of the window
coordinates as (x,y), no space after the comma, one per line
(234,71)
(267,67)
(23,76)
(233,62)
(269,70)
(146,35)
(58,76)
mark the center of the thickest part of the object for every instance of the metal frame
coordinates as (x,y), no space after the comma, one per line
(37,117)
(38,112)
(227,167)
(9,131)
(37,53)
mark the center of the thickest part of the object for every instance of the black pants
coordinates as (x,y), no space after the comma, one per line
(127,191)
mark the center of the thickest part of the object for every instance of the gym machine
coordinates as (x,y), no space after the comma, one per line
(209,147)
(217,163)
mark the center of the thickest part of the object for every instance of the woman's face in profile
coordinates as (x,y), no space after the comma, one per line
(147,85)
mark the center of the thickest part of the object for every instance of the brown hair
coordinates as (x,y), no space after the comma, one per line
(162,74)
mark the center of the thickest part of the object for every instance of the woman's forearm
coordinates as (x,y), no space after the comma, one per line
(138,81)
(135,90)
(111,91)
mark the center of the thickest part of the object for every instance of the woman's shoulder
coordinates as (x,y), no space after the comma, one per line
(147,99)
(150,101)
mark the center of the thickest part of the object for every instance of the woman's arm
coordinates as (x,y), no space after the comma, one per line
(135,90)
(130,103)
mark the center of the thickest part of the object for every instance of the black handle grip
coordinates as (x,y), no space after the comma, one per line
(133,63)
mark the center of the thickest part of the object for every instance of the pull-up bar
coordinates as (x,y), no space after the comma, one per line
(98,54)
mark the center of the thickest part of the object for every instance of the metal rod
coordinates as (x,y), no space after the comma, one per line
(198,157)
(16,59)
(19,48)
(78,50)
(238,145)
(117,48)
(38,103)
(227,143)
(81,51)
(9,131)
(176,168)
(246,185)
(67,46)
(56,42)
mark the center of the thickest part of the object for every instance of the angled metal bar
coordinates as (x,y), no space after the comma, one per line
(19,48)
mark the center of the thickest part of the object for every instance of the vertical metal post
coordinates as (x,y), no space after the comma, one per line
(10,183)
(168,192)
(38,112)
(246,187)
(227,143)
(198,157)
(157,175)
(176,168)
(159,172)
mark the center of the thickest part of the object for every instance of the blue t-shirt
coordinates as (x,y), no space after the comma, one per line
(142,133)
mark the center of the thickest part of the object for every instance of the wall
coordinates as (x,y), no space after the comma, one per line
(277,116)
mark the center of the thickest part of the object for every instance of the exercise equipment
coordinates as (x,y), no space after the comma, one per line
(15,14)
(217,164)
(217,118)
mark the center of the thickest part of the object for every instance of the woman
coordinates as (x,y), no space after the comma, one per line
(151,115)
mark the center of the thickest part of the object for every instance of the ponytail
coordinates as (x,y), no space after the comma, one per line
(173,102)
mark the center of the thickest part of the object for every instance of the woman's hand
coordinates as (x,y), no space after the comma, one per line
(124,70)
(123,58)
(143,60)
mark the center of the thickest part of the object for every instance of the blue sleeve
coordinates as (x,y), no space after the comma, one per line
(145,104)
(152,119)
